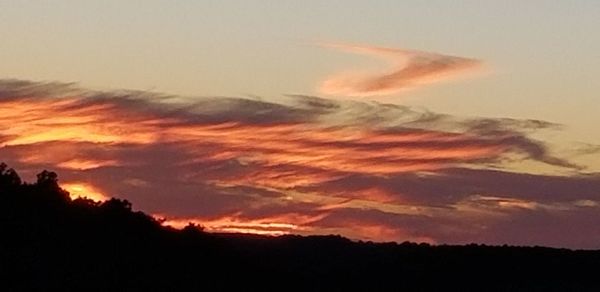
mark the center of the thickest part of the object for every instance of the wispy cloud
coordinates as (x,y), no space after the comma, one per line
(303,165)
(410,69)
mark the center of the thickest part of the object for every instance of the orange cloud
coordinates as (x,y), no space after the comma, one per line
(298,145)
(81,132)
(84,164)
(411,69)
(305,165)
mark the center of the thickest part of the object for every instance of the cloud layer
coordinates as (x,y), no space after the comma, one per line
(410,69)
(302,165)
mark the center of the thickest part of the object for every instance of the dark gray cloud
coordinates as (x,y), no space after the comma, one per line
(450,186)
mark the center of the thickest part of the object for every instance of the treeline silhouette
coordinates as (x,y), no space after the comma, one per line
(52,243)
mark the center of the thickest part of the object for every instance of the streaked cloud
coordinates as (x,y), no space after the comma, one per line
(410,69)
(303,165)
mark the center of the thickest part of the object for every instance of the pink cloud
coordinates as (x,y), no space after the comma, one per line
(410,69)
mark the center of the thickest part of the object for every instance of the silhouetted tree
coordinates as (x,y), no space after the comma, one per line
(192,228)
(8,177)
(47,178)
(116,206)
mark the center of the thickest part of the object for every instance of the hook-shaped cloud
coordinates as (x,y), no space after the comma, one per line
(411,69)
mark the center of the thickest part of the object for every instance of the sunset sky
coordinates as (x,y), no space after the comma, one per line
(429,121)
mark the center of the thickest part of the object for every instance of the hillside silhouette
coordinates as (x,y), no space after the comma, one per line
(50,242)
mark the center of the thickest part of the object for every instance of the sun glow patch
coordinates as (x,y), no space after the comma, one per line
(82,190)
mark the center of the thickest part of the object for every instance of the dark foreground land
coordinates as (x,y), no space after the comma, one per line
(51,243)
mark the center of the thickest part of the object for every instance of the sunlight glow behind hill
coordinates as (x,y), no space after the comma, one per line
(83,190)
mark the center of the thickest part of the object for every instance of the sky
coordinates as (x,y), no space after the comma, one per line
(437,121)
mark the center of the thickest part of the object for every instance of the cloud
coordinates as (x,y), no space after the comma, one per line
(453,185)
(302,165)
(411,69)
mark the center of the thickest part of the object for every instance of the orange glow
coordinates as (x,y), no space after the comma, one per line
(35,121)
(507,202)
(275,225)
(82,190)
(229,225)
(86,164)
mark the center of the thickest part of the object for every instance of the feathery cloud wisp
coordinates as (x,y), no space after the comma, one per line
(411,69)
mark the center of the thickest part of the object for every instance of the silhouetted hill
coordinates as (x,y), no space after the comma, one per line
(50,242)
